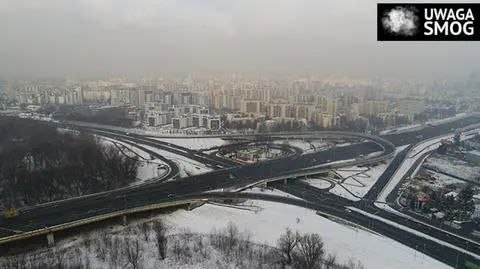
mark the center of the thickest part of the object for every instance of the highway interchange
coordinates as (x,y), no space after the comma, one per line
(197,186)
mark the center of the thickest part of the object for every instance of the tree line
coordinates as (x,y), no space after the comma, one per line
(115,117)
(152,245)
(40,164)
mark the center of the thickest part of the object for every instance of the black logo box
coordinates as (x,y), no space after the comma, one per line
(384,34)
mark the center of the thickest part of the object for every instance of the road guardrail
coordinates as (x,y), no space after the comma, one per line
(94,219)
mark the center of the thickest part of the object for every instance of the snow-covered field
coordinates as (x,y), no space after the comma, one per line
(267,224)
(188,167)
(319,183)
(148,168)
(304,145)
(357,181)
(454,166)
(194,143)
(148,171)
(442,180)
(264,221)
(342,192)
(270,192)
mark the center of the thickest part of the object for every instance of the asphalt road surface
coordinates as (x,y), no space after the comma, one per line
(65,211)
(86,207)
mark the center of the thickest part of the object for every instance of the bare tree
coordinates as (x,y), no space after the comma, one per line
(61,260)
(232,235)
(87,240)
(50,258)
(310,251)
(245,245)
(286,244)
(101,247)
(86,259)
(176,248)
(160,238)
(200,247)
(133,252)
(52,165)
(11,262)
(353,264)
(330,261)
(115,253)
(145,229)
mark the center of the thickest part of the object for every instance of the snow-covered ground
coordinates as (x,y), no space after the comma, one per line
(270,192)
(411,158)
(304,145)
(434,143)
(264,221)
(188,167)
(357,181)
(345,144)
(441,180)
(67,130)
(149,167)
(148,171)
(342,192)
(420,126)
(269,223)
(194,143)
(319,183)
(413,231)
(454,166)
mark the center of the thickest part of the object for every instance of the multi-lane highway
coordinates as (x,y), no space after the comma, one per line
(45,216)
(72,210)
(142,195)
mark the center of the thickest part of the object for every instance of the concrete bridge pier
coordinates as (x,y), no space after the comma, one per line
(50,240)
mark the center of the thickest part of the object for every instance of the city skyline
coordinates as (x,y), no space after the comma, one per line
(95,38)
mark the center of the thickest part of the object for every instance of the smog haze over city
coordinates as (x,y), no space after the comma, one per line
(160,134)
(93,38)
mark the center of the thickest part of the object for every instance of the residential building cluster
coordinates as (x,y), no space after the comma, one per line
(199,102)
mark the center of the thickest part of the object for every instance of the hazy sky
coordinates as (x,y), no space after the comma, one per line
(150,37)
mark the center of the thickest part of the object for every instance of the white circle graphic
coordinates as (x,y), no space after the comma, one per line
(400,21)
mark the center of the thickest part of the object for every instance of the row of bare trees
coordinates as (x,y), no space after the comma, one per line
(124,249)
(148,246)
(307,252)
(40,164)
